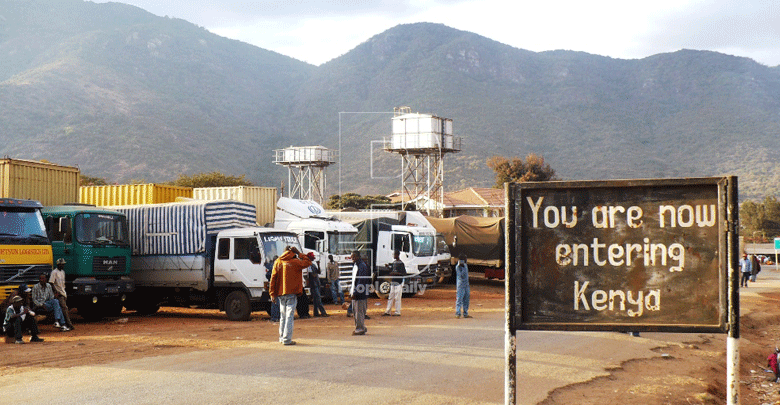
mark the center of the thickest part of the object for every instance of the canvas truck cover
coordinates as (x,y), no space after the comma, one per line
(366,239)
(480,238)
(181,228)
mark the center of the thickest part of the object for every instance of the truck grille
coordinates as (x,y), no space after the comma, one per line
(17,274)
(109,264)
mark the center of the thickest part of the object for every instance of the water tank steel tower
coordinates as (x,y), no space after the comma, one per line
(422,140)
(306,170)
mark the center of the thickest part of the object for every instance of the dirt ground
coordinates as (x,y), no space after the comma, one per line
(688,373)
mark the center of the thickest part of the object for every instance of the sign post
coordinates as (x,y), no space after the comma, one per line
(777,248)
(624,256)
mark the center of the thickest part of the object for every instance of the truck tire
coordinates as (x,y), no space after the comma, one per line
(90,312)
(146,309)
(112,307)
(383,288)
(237,306)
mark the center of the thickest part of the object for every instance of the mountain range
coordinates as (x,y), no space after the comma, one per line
(130,96)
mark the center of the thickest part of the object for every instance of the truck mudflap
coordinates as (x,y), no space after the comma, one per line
(98,287)
(428,277)
(443,270)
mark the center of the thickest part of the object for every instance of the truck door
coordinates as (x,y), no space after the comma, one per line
(401,243)
(60,234)
(245,264)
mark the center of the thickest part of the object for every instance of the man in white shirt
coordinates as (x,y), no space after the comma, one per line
(57,279)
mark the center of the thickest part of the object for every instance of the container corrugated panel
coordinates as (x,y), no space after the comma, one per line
(45,182)
(131,194)
(181,228)
(263,198)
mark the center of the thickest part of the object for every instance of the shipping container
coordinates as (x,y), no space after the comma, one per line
(263,198)
(131,194)
(48,183)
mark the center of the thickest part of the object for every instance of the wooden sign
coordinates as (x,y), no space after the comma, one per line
(628,255)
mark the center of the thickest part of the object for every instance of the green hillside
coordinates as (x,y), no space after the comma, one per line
(125,95)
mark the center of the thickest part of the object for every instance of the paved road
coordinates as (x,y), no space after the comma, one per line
(448,361)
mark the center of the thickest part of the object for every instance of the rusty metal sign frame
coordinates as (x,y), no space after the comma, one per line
(519,237)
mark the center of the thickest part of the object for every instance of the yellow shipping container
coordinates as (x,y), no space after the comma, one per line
(131,194)
(263,198)
(47,183)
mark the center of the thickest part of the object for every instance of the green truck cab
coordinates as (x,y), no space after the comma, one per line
(94,242)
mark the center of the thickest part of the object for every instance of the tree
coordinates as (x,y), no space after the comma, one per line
(533,169)
(213,179)
(356,201)
(760,221)
(85,180)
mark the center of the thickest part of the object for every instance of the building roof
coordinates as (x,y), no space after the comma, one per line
(477,196)
(467,197)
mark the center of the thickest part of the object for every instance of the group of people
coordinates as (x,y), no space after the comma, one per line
(750,266)
(46,296)
(286,286)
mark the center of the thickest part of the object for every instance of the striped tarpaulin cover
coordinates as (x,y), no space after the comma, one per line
(180,228)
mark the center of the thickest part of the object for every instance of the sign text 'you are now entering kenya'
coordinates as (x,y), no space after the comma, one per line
(623,255)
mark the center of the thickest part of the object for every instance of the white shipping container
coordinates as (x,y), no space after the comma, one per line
(263,198)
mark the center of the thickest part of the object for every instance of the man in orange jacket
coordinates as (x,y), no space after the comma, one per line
(287,284)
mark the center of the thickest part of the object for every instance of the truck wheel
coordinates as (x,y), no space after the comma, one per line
(90,312)
(237,306)
(146,309)
(383,289)
(112,308)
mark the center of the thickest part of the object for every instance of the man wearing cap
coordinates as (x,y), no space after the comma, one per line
(18,318)
(314,286)
(57,280)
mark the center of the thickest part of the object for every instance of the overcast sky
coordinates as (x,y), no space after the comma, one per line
(318,31)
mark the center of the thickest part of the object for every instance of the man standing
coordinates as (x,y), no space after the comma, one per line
(398,273)
(57,279)
(333,278)
(43,297)
(746,268)
(314,287)
(286,285)
(361,285)
(462,287)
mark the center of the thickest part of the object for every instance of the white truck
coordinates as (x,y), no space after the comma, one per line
(209,254)
(409,232)
(320,233)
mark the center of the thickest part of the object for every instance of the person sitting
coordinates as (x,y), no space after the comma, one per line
(19,318)
(43,297)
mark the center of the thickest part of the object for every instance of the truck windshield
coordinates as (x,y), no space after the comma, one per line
(441,245)
(341,243)
(423,245)
(101,228)
(23,223)
(273,244)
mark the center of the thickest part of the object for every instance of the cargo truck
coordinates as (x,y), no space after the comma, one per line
(383,232)
(25,251)
(320,233)
(95,245)
(209,254)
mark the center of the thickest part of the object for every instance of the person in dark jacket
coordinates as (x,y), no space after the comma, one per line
(398,273)
(361,287)
(314,287)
